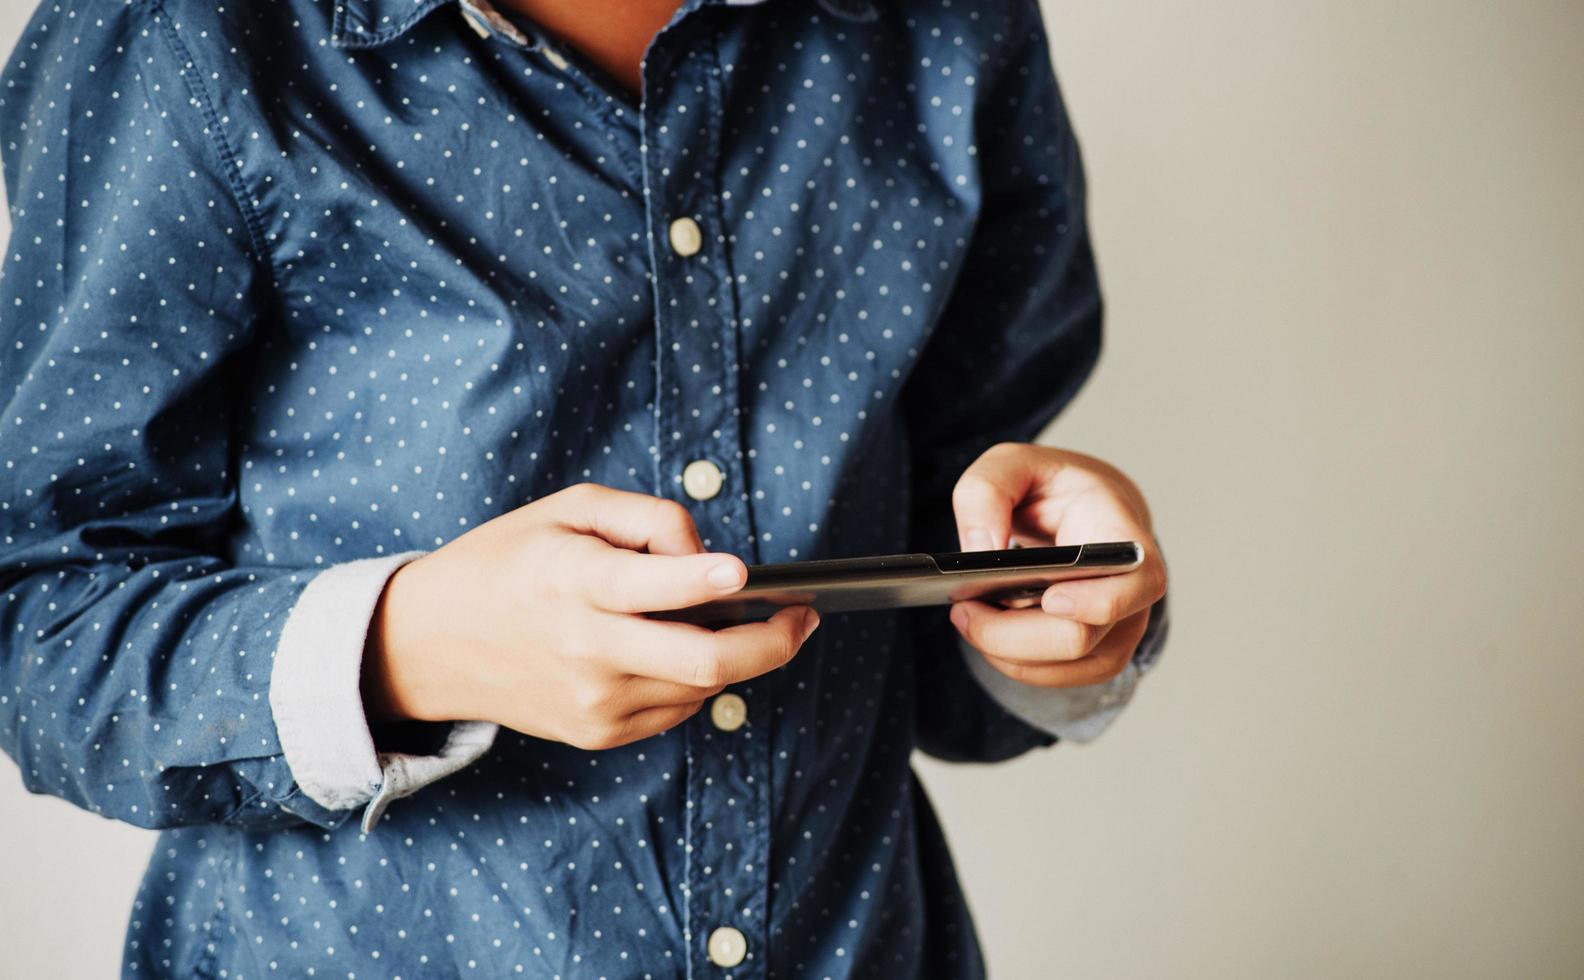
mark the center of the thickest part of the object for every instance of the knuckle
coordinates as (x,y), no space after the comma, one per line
(591,738)
(969,486)
(1088,637)
(1076,641)
(672,513)
(595,701)
(562,559)
(585,703)
(709,671)
(1117,498)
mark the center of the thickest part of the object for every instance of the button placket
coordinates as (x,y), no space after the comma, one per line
(700,459)
(698,428)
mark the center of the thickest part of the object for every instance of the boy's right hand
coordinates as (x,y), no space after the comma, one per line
(533,620)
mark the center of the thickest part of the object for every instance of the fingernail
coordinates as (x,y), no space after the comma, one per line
(725,575)
(810,620)
(976,539)
(1059,604)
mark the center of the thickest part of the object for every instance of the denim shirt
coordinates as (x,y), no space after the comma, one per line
(299,290)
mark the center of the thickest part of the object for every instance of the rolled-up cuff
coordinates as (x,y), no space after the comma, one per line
(317,701)
(1077,714)
(403,774)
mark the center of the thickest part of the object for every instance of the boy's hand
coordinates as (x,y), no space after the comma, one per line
(532,620)
(1084,631)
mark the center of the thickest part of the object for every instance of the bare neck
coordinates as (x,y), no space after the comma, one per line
(613,34)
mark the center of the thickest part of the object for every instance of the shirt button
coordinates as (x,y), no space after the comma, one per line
(729,712)
(702,479)
(686,239)
(727,947)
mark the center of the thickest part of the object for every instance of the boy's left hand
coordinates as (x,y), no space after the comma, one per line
(1084,631)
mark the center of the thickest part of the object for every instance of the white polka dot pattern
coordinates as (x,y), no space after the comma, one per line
(294,283)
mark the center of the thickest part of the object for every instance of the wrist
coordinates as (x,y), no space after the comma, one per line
(394,684)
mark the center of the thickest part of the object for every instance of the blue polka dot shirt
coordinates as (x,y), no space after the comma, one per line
(299,290)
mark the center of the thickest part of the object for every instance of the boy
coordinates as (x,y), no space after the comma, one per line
(369,368)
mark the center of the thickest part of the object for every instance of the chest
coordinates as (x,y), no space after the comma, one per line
(493,268)
(481,186)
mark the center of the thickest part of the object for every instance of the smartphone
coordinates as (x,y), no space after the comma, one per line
(1011,577)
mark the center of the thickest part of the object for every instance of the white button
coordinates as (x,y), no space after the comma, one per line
(686,239)
(727,947)
(702,479)
(729,712)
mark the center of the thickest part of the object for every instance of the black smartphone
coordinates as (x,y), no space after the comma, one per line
(1012,577)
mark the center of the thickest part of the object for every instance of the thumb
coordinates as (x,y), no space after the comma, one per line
(987,493)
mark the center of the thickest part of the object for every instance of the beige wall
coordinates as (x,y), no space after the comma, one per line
(1343,247)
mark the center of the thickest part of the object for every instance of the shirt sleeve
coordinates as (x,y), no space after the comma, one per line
(140,661)
(1018,338)
(316,700)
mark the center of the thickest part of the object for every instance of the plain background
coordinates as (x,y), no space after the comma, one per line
(1342,245)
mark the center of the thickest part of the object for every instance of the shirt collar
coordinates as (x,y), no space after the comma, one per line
(372,23)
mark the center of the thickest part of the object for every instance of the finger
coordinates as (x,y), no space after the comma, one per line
(1109,599)
(1108,659)
(626,519)
(1072,473)
(631,728)
(634,694)
(1024,635)
(1092,512)
(652,721)
(689,654)
(988,491)
(625,581)
(1072,505)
